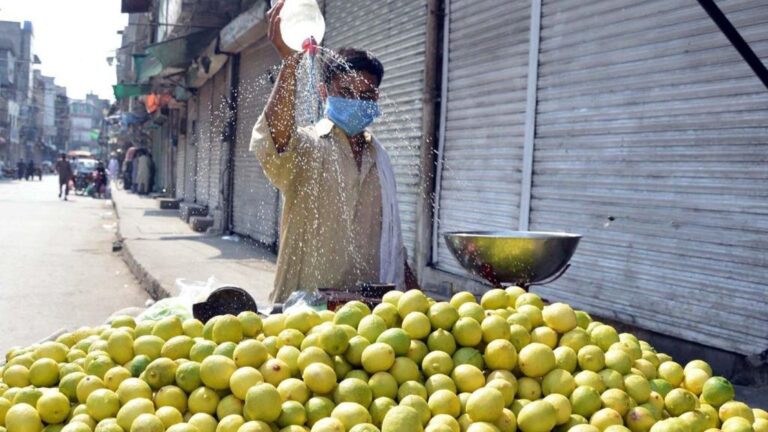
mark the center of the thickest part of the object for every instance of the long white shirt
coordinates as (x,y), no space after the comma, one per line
(330,231)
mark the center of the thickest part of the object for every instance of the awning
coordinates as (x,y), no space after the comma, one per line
(173,55)
(148,68)
(206,65)
(128,119)
(124,91)
(135,6)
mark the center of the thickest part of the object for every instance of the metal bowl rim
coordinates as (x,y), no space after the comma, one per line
(513,234)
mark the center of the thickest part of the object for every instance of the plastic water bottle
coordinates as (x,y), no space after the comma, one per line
(301,24)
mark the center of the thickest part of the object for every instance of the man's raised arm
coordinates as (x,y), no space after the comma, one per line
(281,106)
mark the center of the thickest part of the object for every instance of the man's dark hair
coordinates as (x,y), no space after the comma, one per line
(351,59)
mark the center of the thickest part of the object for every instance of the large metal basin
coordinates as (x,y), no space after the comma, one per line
(521,258)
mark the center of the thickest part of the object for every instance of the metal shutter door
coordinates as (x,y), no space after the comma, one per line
(203,177)
(394,31)
(158,157)
(480,175)
(218,123)
(256,202)
(192,140)
(181,154)
(651,141)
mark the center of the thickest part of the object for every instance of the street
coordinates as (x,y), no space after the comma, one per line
(57,268)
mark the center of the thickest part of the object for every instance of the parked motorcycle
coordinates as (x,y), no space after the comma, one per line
(83,174)
(82,181)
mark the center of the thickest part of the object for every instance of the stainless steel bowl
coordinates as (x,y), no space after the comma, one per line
(522,258)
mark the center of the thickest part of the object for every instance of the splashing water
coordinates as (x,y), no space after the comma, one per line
(308,101)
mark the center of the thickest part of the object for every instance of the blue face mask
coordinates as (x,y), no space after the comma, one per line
(351,115)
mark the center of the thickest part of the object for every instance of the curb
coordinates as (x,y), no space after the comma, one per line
(148,282)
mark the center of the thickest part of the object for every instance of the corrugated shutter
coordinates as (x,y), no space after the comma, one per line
(193,140)
(158,158)
(181,154)
(394,31)
(169,174)
(203,177)
(480,175)
(256,202)
(218,116)
(651,141)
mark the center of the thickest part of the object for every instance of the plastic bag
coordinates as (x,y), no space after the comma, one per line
(305,300)
(166,307)
(190,292)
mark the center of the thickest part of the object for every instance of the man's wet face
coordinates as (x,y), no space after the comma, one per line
(355,85)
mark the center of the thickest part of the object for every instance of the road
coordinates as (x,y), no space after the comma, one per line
(57,268)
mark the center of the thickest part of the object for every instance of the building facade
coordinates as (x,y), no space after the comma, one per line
(9,109)
(646,136)
(61,119)
(16,40)
(27,98)
(86,118)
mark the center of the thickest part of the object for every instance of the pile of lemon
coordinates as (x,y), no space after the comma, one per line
(411,364)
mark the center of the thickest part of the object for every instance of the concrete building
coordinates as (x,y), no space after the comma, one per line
(9,109)
(18,40)
(33,130)
(49,110)
(42,130)
(150,62)
(61,120)
(86,123)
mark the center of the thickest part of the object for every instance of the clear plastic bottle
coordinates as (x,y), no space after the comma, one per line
(300,21)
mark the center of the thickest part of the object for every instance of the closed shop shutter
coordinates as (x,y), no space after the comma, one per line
(193,140)
(651,141)
(480,173)
(203,177)
(159,150)
(181,154)
(256,202)
(395,32)
(218,123)
(169,155)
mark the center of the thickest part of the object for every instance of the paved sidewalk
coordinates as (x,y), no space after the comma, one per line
(159,248)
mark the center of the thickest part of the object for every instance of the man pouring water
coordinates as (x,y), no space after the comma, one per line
(340,220)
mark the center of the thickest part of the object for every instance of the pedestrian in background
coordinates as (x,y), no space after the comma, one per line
(113,168)
(29,172)
(135,168)
(64,169)
(100,180)
(128,168)
(144,174)
(20,167)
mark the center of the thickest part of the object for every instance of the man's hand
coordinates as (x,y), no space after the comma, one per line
(273,31)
